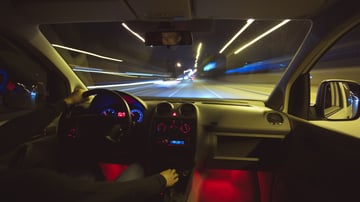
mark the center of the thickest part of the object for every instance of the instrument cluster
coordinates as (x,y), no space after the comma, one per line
(136,109)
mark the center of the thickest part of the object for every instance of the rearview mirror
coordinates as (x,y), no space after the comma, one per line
(168,38)
(338,100)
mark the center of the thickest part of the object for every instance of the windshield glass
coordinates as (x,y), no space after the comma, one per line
(219,59)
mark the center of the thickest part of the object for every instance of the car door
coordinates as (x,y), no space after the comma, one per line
(322,151)
(26,82)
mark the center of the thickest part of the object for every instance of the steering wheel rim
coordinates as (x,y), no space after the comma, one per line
(87,123)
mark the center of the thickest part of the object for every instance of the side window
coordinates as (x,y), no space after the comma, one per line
(342,61)
(22,82)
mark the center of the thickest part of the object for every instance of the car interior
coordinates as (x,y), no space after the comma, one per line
(294,141)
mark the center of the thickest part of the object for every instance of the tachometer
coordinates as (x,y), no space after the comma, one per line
(109,112)
(137,115)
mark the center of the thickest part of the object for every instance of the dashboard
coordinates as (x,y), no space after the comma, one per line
(180,133)
(177,133)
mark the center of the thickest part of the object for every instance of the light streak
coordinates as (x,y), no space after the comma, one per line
(86,53)
(261,36)
(248,23)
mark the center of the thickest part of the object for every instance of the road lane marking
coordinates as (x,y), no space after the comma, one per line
(176,91)
(212,92)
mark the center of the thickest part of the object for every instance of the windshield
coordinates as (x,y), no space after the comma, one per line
(220,59)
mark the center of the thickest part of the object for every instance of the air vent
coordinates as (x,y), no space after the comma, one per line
(275,118)
(164,108)
(187,109)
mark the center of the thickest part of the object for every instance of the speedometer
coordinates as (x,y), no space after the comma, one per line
(137,115)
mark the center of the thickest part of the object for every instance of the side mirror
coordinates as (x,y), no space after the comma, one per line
(338,100)
(20,98)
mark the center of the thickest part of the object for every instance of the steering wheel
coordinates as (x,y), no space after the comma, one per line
(91,124)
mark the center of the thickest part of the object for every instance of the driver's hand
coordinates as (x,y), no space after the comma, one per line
(75,97)
(170,176)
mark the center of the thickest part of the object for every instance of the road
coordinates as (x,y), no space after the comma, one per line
(199,89)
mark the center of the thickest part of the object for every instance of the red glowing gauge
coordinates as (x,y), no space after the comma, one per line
(185,128)
(121,114)
(161,127)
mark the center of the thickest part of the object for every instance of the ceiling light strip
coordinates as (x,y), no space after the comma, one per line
(248,23)
(132,32)
(198,54)
(261,36)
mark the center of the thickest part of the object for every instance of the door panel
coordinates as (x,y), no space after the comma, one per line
(319,165)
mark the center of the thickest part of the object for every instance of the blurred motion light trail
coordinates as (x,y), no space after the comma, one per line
(262,36)
(248,23)
(86,53)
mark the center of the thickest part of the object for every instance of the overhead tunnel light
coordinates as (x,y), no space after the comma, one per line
(86,53)
(261,36)
(132,32)
(198,51)
(248,23)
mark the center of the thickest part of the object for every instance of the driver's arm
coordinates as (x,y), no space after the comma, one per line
(20,129)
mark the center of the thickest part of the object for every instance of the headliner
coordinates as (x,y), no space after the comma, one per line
(61,11)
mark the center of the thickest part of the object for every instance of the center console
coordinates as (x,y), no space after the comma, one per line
(173,142)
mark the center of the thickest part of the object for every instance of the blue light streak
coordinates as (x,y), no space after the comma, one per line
(262,66)
(210,66)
